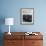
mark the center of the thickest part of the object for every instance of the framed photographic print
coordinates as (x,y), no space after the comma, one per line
(27,15)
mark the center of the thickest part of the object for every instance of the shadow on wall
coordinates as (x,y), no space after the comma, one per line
(2,21)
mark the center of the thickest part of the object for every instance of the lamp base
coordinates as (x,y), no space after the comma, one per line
(9,33)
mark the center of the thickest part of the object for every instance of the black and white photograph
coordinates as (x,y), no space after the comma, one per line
(27,15)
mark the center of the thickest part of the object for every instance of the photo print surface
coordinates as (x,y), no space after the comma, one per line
(27,18)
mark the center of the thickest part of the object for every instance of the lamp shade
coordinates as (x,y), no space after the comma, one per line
(9,21)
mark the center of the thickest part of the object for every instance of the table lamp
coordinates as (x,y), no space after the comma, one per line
(9,21)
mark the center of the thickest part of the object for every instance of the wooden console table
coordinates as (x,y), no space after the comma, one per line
(20,39)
